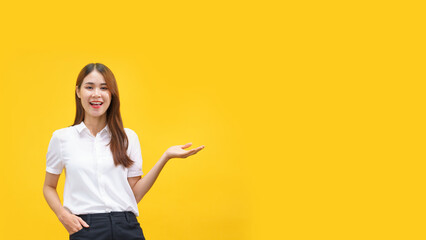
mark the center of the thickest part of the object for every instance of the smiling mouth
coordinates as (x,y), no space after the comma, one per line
(96,103)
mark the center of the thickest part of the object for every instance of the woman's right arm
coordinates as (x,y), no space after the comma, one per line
(70,221)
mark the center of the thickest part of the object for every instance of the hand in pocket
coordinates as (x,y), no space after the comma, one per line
(71,222)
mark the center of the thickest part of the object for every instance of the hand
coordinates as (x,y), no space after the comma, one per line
(72,222)
(178,152)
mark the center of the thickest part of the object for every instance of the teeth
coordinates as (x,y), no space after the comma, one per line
(97,103)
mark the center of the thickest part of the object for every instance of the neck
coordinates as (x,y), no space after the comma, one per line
(95,124)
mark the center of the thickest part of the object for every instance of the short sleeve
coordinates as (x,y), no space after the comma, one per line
(54,162)
(135,155)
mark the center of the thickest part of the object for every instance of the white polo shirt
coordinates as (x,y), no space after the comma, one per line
(93,184)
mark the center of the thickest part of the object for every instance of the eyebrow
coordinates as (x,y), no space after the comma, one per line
(93,83)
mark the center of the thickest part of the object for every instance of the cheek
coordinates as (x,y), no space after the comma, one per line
(109,97)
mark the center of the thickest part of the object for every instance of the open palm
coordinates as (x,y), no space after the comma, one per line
(179,152)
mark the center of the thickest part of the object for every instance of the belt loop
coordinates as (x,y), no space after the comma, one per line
(88,219)
(127,217)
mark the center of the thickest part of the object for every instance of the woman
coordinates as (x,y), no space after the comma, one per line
(103,164)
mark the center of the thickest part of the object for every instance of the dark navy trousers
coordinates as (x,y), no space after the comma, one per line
(110,226)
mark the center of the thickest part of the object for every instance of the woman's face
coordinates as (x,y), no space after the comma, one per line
(94,95)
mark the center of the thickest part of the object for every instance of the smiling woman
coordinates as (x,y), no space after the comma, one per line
(102,162)
(96,84)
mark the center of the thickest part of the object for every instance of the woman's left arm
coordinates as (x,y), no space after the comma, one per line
(141,186)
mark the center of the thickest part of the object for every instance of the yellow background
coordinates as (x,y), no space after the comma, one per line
(312,113)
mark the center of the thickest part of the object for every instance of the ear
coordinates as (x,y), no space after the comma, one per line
(77,91)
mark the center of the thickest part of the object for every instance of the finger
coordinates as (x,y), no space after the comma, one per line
(197,149)
(192,152)
(83,222)
(186,145)
(200,147)
(195,152)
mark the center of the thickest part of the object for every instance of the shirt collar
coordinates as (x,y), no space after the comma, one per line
(80,127)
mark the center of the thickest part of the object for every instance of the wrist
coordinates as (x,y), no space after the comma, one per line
(165,158)
(62,212)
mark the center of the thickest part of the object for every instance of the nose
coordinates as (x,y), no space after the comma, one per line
(96,93)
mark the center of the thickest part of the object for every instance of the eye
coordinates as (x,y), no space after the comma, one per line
(104,88)
(89,87)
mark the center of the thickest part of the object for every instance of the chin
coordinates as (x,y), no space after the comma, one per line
(97,115)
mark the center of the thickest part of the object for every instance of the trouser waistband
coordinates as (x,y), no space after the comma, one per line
(106,216)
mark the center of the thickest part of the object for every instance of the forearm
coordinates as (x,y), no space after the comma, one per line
(144,184)
(52,199)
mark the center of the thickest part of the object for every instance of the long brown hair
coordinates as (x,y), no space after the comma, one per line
(119,142)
